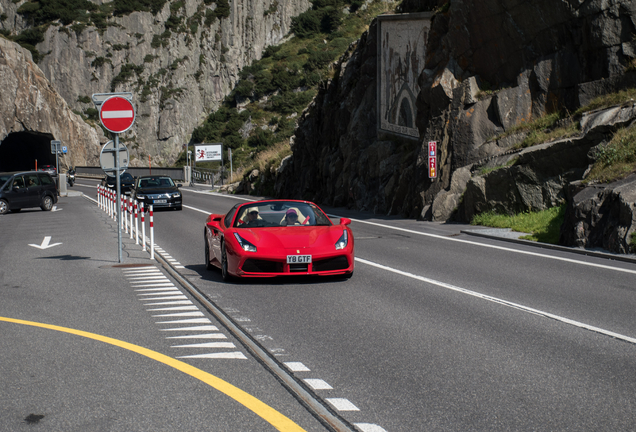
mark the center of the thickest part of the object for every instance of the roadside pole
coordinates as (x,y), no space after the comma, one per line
(117,115)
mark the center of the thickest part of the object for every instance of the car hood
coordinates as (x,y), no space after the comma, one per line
(298,237)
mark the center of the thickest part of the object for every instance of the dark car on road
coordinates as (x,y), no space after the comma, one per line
(160,191)
(126,182)
(20,190)
(49,169)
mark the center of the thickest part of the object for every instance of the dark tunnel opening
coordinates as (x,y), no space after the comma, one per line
(20,150)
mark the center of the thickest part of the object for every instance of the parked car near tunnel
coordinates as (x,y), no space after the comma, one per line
(20,190)
(49,169)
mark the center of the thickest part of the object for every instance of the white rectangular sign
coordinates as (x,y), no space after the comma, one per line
(211,152)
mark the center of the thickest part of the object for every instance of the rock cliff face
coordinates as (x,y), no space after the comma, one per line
(30,105)
(490,66)
(177,77)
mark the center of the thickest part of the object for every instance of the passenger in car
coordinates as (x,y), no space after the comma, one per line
(291,218)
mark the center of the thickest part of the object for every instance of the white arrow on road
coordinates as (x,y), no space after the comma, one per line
(45,243)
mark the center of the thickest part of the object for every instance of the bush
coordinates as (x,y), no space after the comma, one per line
(307,24)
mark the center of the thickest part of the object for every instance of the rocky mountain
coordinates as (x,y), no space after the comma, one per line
(30,105)
(490,66)
(179,63)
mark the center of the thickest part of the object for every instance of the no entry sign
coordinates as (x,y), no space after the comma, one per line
(117,114)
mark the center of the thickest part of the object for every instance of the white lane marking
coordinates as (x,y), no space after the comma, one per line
(180,314)
(176,302)
(178,296)
(231,355)
(162,290)
(536,254)
(196,209)
(369,427)
(200,336)
(148,277)
(502,302)
(176,308)
(318,384)
(207,345)
(186,321)
(195,328)
(297,367)
(342,404)
(142,270)
(156,285)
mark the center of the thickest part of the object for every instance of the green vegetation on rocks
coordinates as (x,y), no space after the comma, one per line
(259,115)
(544,226)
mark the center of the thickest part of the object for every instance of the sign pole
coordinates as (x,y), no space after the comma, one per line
(118,186)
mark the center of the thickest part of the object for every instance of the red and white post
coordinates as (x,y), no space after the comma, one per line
(136,224)
(143,226)
(152,236)
(130,210)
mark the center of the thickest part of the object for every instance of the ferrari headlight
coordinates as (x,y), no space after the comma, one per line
(342,241)
(247,246)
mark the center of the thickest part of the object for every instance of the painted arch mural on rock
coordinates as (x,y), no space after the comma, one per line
(401,51)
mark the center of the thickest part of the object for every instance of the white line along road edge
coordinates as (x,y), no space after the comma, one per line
(502,302)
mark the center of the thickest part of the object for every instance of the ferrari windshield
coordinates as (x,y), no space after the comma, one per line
(280,213)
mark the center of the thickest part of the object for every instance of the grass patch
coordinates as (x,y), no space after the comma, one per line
(544,226)
(617,159)
(632,243)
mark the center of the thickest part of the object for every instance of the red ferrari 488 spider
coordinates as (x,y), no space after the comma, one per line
(278,238)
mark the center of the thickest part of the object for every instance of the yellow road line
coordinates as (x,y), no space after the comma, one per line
(269,414)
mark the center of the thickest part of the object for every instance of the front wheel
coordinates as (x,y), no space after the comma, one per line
(47,203)
(225,274)
(208,266)
(4,207)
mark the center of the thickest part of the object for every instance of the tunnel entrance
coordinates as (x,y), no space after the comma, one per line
(20,150)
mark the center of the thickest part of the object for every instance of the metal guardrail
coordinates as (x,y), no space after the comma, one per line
(174,173)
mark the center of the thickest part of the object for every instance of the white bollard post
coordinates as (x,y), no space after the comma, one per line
(143,226)
(152,236)
(130,210)
(111,204)
(136,224)
(124,205)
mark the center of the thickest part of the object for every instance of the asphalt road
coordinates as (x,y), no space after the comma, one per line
(436,330)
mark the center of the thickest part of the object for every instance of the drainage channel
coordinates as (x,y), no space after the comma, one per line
(306,397)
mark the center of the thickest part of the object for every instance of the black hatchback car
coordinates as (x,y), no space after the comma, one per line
(126,182)
(160,191)
(20,190)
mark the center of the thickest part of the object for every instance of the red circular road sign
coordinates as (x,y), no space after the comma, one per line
(117,114)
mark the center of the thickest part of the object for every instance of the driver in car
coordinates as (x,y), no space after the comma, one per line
(252,216)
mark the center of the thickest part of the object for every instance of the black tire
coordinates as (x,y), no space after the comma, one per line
(208,266)
(47,203)
(4,207)
(225,274)
(179,208)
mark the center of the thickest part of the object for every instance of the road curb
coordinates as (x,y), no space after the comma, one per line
(605,255)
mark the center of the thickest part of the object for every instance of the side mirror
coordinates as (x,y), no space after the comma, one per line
(345,221)
(179,185)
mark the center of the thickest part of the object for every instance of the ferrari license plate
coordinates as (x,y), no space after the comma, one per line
(298,259)
(160,201)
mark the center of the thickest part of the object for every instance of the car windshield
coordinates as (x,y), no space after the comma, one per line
(280,213)
(155,182)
